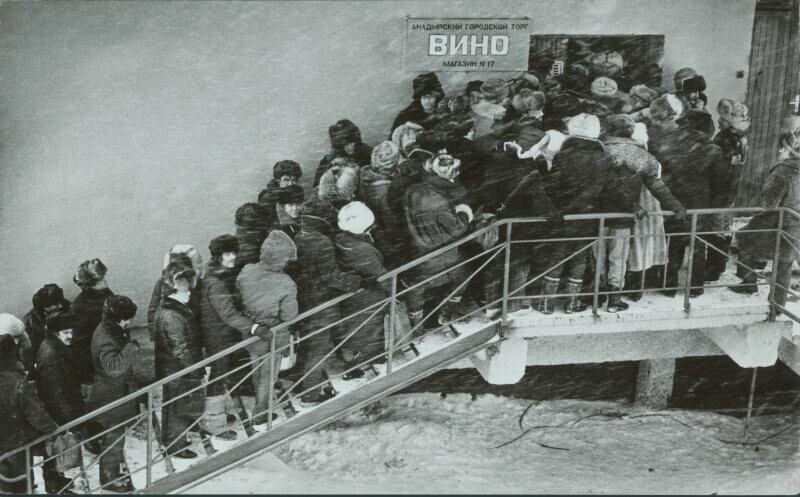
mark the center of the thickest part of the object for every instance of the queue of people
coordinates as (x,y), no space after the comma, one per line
(499,149)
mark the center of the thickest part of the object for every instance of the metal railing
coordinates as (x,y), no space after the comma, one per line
(471,263)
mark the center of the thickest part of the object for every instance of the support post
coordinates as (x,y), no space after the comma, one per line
(149,438)
(392,317)
(773,311)
(271,379)
(601,253)
(654,383)
(506,272)
(687,305)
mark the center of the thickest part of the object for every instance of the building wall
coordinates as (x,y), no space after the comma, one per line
(127,127)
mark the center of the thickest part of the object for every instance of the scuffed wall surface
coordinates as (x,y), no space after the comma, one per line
(127,127)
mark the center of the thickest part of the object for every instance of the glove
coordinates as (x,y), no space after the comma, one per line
(263,332)
(640,213)
(680,214)
(466,210)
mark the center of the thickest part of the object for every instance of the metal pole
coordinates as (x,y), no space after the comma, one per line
(149,436)
(750,404)
(687,305)
(392,317)
(506,272)
(271,379)
(28,476)
(600,257)
(773,311)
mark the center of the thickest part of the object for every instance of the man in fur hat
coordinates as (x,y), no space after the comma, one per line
(285,173)
(88,310)
(47,300)
(346,144)
(425,99)
(689,87)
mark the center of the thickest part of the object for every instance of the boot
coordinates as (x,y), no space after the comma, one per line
(215,418)
(615,303)
(550,287)
(574,305)
(633,279)
(318,396)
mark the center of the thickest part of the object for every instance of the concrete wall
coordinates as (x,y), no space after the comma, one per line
(127,127)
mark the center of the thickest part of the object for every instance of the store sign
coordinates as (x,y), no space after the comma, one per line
(463,44)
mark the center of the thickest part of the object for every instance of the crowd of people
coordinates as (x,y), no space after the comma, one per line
(526,147)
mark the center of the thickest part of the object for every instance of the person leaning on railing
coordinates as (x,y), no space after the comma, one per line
(114,354)
(23,414)
(781,189)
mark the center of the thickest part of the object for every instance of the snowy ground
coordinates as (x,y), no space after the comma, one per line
(421,443)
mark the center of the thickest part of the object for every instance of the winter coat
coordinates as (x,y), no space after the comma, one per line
(483,115)
(634,168)
(178,340)
(319,276)
(58,381)
(35,327)
(268,293)
(268,198)
(24,416)
(414,113)
(88,310)
(114,356)
(361,156)
(432,221)
(579,182)
(734,152)
(222,322)
(155,301)
(374,191)
(780,189)
(527,132)
(356,254)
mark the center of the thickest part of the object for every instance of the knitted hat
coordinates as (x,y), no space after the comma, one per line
(584,126)
(494,89)
(731,110)
(222,244)
(89,273)
(604,87)
(291,195)
(60,321)
(619,125)
(342,133)
(48,295)
(355,218)
(665,108)
(385,155)
(643,93)
(425,84)
(121,308)
(11,325)
(286,168)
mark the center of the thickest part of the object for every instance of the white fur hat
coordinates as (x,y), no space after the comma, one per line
(356,218)
(11,325)
(584,125)
(188,250)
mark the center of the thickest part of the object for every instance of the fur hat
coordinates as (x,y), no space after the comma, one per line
(688,80)
(320,209)
(698,120)
(356,218)
(291,195)
(731,110)
(89,273)
(584,126)
(222,244)
(252,215)
(184,249)
(342,133)
(286,168)
(666,108)
(619,125)
(11,325)
(427,83)
(121,308)
(385,155)
(60,321)
(50,294)
(494,89)
(643,93)
(405,136)
(340,182)
(604,87)
(175,276)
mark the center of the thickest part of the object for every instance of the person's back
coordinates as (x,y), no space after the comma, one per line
(430,222)
(58,381)
(684,157)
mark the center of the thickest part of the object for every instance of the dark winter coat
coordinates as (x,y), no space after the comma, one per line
(58,381)
(222,323)
(578,183)
(734,151)
(268,198)
(35,327)
(114,356)
(634,168)
(155,301)
(361,156)
(356,254)
(781,189)
(432,222)
(387,232)
(414,113)
(88,310)
(320,278)
(178,342)
(268,293)
(250,240)
(24,416)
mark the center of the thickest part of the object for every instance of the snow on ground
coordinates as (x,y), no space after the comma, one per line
(421,443)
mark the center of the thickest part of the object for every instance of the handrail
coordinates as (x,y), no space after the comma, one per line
(134,396)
